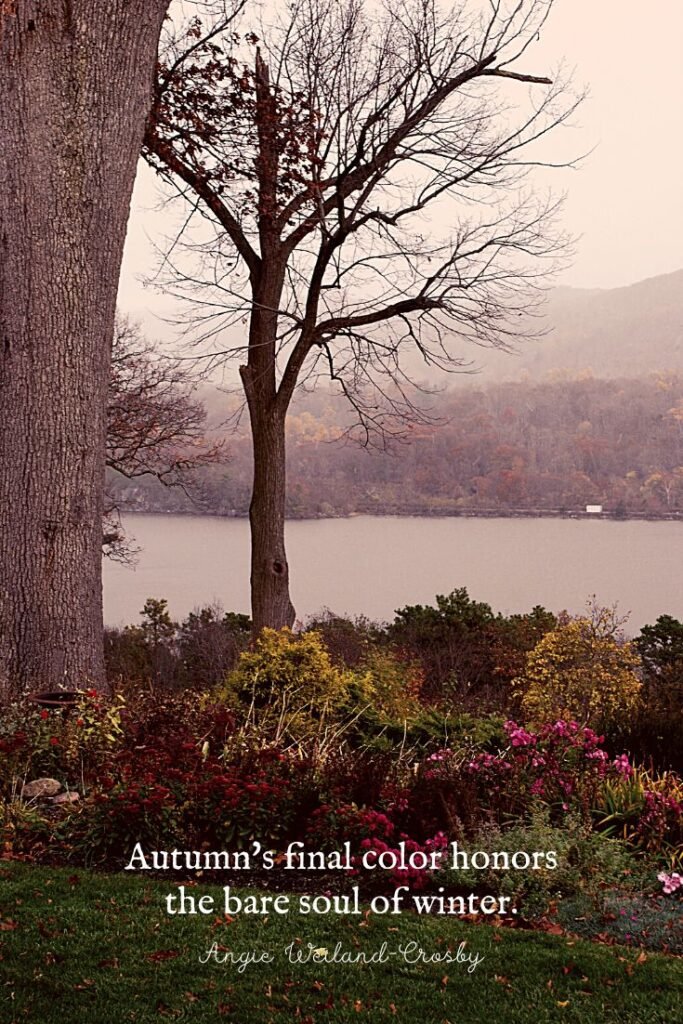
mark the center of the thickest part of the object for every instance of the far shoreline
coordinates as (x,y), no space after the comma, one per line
(575,514)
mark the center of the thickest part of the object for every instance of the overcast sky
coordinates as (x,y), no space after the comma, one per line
(626,199)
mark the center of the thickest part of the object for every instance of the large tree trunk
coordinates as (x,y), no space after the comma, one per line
(270,601)
(75,89)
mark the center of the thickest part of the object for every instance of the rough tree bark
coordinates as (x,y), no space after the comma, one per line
(270,601)
(75,89)
(271,604)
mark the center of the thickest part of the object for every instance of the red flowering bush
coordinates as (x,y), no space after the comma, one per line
(332,825)
(181,795)
(265,795)
(70,743)
(382,856)
(31,745)
(15,756)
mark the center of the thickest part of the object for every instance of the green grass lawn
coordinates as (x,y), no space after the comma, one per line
(77,948)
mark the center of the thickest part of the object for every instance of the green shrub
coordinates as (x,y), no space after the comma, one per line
(435,727)
(347,640)
(164,655)
(586,863)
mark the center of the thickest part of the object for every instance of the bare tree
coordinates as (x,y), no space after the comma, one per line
(359,178)
(156,426)
(75,89)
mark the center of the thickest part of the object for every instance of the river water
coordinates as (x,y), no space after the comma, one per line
(372,565)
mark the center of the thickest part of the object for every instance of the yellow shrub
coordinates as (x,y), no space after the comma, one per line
(388,686)
(580,671)
(286,687)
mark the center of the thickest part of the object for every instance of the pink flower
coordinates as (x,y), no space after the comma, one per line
(438,842)
(670,882)
(562,728)
(623,766)
(519,737)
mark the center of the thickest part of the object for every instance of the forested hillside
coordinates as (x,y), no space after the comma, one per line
(559,444)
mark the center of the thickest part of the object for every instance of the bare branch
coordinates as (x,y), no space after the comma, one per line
(501,73)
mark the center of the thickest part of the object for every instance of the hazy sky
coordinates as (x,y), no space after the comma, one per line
(626,199)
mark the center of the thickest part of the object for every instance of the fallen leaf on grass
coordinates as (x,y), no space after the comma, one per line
(162,954)
(218,922)
(550,927)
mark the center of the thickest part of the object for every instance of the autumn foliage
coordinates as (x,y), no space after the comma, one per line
(582,670)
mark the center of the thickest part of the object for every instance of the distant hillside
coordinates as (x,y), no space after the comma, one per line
(613,333)
(620,332)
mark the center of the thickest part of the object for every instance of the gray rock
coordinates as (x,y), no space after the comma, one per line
(40,788)
(65,798)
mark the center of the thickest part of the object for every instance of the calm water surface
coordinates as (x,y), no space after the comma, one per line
(373,565)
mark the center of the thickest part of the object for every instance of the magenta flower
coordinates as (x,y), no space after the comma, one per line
(623,765)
